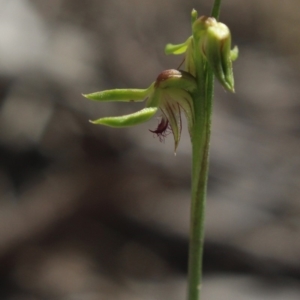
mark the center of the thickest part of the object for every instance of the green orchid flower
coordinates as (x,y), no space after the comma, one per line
(171,93)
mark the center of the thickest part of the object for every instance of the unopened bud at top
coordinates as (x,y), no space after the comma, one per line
(215,45)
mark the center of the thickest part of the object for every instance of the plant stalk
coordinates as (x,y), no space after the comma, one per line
(203,102)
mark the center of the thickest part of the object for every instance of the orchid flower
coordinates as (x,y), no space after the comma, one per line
(171,93)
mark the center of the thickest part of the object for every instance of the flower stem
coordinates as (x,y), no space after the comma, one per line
(215,12)
(203,100)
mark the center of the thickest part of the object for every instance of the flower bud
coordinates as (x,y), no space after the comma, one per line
(215,45)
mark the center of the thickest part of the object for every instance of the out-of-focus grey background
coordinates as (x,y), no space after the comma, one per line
(89,212)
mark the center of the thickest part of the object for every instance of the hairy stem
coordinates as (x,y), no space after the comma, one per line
(203,100)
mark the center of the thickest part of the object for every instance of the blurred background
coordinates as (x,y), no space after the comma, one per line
(88,212)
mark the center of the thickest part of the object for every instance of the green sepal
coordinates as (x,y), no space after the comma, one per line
(185,101)
(189,61)
(122,95)
(177,49)
(154,98)
(172,112)
(136,118)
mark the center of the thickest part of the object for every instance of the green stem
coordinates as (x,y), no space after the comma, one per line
(203,101)
(215,12)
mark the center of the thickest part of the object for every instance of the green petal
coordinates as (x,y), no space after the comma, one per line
(125,95)
(171,109)
(128,120)
(185,101)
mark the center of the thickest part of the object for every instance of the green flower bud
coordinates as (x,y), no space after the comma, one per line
(215,45)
